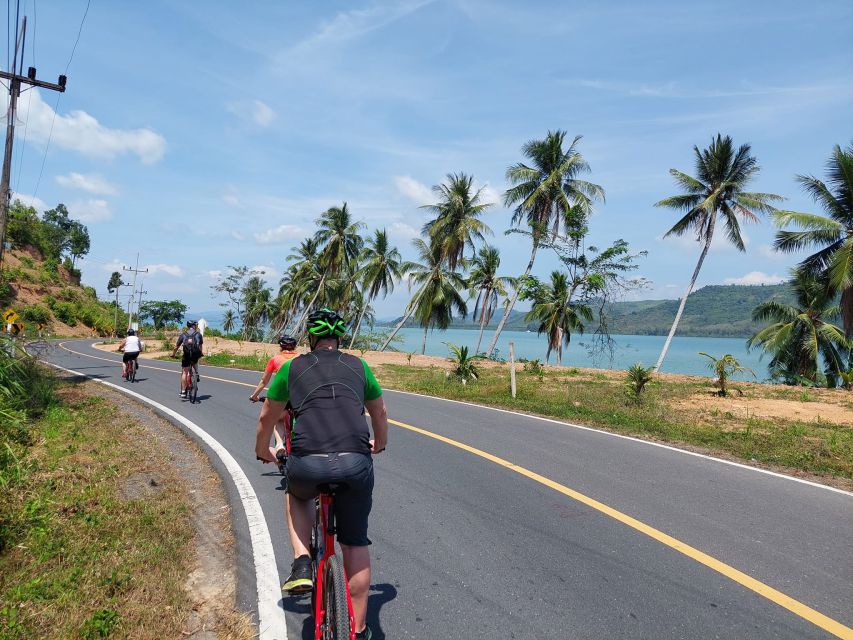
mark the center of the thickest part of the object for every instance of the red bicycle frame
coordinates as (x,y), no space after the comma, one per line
(325,510)
(325,517)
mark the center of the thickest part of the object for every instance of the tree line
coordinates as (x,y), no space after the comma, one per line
(342,267)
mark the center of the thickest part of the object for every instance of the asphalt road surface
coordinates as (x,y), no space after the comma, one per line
(490,524)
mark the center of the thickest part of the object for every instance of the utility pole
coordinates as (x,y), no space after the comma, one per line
(139,303)
(136,271)
(115,319)
(16,79)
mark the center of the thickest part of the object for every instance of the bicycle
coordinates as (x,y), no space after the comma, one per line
(192,383)
(330,596)
(132,368)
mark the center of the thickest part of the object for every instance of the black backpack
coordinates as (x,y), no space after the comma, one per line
(192,344)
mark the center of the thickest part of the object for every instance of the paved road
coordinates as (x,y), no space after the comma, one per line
(491,540)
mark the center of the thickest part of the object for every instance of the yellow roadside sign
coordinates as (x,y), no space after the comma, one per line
(10,316)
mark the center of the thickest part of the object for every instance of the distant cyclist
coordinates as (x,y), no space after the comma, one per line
(329,391)
(131,346)
(287,350)
(192,341)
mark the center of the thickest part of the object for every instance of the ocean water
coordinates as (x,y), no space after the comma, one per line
(682,357)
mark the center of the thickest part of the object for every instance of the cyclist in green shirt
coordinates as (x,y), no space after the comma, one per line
(329,391)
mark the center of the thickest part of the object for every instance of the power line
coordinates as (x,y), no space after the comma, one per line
(58,98)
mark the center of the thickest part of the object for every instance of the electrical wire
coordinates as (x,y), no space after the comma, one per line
(23,144)
(58,98)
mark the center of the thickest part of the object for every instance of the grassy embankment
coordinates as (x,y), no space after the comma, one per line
(80,556)
(669,410)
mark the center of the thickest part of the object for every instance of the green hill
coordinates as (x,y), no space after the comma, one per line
(723,311)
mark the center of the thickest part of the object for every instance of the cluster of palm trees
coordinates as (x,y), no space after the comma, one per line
(338,268)
(802,337)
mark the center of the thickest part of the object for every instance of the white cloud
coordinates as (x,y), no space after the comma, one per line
(81,132)
(282,234)
(756,277)
(216,274)
(490,195)
(90,210)
(30,201)
(414,190)
(402,233)
(253,112)
(169,269)
(268,273)
(92,183)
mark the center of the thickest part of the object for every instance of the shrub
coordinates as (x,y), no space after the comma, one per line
(464,366)
(534,367)
(636,380)
(725,368)
(36,313)
(65,312)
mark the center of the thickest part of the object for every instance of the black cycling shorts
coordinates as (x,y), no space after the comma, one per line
(187,359)
(352,506)
(129,355)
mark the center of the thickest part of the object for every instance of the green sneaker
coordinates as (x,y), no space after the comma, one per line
(300,576)
(364,635)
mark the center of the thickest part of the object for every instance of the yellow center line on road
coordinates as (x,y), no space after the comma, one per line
(804,611)
(794,606)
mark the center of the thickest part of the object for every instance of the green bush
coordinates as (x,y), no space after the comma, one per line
(65,312)
(27,262)
(36,313)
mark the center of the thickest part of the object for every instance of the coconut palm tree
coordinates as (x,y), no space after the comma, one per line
(437,294)
(440,287)
(718,190)
(557,316)
(457,221)
(833,233)
(802,334)
(229,320)
(487,285)
(547,194)
(380,268)
(340,244)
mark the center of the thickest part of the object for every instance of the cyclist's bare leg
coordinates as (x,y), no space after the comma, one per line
(357,566)
(300,519)
(278,434)
(184,378)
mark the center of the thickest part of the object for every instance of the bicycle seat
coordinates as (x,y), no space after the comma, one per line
(332,488)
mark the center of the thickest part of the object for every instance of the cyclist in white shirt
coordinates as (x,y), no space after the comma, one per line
(131,346)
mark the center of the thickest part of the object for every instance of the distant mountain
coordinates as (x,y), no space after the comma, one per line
(723,311)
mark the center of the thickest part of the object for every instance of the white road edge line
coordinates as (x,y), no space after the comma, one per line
(633,439)
(271,620)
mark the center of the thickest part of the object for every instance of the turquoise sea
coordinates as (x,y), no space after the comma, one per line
(682,356)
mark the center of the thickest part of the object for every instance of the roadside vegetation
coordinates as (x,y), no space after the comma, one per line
(85,553)
(664,410)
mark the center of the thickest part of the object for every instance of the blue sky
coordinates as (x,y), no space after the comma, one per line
(210,134)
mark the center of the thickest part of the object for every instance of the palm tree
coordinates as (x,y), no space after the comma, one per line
(457,211)
(340,245)
(547,194)
(228,321)
(722,173)
(801,335)
(381,267)
(833,233)
(487,285)
(557,316)
(440,290)
(438,293)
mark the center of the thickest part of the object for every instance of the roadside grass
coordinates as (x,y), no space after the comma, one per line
(82,556)
(819,448)
(256,361)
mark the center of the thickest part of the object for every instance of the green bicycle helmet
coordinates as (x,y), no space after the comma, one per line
(326,323)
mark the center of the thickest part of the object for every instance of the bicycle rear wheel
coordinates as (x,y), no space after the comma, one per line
(194,396)
(337,623)
(133,366)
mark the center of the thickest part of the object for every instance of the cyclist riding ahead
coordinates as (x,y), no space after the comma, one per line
(287,346)
(131,346)
(329,391)
(192,342)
